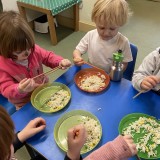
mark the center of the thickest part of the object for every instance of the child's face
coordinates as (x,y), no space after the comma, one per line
(105,31)
(22,55)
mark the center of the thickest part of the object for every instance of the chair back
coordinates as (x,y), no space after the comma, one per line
(128,73)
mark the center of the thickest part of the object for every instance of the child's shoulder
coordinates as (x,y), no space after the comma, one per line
(92,32)
(121,36)
(155,53)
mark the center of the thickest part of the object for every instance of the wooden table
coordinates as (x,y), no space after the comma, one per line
(50,8)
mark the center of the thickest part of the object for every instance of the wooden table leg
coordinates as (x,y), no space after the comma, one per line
(76,16)
(52,28)
(22,11)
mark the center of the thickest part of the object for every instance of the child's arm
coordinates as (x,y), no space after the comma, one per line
(76,139)
(148,68)
(119,148)
(149,82)
(65,63)
(77,57)
(27,85)
(33,127)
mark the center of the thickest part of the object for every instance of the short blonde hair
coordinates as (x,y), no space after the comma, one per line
(113,12)
(15,34)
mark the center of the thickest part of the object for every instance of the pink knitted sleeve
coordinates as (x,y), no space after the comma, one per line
(114,150)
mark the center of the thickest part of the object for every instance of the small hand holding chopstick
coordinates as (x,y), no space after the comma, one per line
(142,91)
(152,80)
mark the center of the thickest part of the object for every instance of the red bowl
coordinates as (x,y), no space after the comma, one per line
(85,73)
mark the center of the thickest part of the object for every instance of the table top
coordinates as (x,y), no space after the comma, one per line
(56,6)
(109,106)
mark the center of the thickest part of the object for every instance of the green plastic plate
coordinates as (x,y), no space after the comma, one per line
(43,93)
(68,121)
(130,118)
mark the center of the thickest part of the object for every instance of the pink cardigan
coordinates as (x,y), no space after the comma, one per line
(12,73)
(114,150)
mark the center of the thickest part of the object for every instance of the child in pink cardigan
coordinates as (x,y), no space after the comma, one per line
(120,148)
(21,59)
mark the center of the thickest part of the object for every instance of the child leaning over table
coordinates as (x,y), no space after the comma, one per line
(119,149)
(21,59)
(12,142)
(147,76)
(102,42)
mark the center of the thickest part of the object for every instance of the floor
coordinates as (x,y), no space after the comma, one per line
(143,30)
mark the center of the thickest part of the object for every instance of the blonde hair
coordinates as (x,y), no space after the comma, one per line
(113,12)
(15,34)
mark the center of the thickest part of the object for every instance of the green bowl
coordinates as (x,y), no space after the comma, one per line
(69,120)
(43,93)
(130,118)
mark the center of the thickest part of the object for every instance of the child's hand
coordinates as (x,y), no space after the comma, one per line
(65,63)
(76,139)
(149,82)
(78,61)
(131,144)
(27,85)
(33,127)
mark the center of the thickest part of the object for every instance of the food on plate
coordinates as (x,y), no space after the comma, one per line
(92,82)
(93,132)
(58,100)
(146,133)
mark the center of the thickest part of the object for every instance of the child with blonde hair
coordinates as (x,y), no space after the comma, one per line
(102,42)
(21,59)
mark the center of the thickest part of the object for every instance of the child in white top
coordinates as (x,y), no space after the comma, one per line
(101,43)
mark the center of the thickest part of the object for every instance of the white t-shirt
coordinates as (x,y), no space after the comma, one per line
(100,52)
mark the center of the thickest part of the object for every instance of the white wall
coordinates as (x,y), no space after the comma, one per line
(86,10)
(13,6)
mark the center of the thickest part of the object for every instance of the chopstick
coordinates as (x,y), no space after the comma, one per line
(142,91)
(94,66)
(48,72)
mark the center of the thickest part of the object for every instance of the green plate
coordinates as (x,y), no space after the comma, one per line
(130,118)
(43,93)
(68,121)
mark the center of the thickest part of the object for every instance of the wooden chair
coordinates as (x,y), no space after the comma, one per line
(50,8)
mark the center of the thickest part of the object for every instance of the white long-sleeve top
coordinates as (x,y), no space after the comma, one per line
(150,66)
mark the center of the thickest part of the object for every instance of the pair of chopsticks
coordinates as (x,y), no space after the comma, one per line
(93,66)
(48,72)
